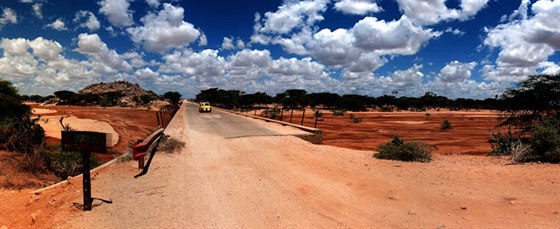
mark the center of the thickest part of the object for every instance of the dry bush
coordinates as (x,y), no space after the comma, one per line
(520,152)
(399,150)
(170,145)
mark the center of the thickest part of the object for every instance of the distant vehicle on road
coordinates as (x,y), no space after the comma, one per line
(204,107)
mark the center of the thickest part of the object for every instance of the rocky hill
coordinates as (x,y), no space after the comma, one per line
(120,92)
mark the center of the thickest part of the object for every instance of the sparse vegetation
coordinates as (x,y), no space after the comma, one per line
(272,113)
(520,152)
(355,119)
(338,112)
(446,125)
(397,149)
(545,141)
(317,114)
(387,108)
(533,108)
(63,163)
(170,145)
(502,143)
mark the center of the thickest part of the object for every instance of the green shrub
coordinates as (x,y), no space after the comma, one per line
(545,141)
(355,119)
(63,163)
(397,149)
(318,114)
(502,144)
(336,112)
(272,113)
(387,108)
(446,125)
(105,103)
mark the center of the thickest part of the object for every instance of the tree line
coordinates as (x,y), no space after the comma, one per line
(107,99)
(298,98)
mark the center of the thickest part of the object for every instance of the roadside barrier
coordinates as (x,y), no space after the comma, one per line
(164,116)
(140,149)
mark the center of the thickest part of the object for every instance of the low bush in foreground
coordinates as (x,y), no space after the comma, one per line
(63,164)
(170,145)
(399,150)
(543,145)
(502,143)
(545,141)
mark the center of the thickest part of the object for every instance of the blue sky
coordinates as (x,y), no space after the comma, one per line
(455,48)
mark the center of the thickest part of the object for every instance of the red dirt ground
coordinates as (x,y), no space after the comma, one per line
(16,204)
(469,135)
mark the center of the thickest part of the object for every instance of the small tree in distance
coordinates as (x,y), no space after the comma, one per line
(173,97)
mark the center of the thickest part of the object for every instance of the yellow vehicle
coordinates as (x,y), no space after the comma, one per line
(204,107)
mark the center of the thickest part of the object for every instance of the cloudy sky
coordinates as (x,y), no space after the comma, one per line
(456,48)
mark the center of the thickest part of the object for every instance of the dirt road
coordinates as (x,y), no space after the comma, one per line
(241,173)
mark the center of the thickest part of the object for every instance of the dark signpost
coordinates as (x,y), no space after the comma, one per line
(85,142)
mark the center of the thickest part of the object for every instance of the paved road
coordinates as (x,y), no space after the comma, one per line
(236,172)
(225,124)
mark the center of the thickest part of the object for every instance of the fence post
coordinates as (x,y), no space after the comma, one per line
(316,117)
(291,114)
(157,117)
(303,116)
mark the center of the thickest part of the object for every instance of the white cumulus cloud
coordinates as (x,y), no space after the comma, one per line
(87,19)
(153,3)
(117,12)
(58,24)
(164,30)
(429,12)
(357,7)
(456,71)
(9,16)
(294,14)
(37,10)
(524,42)
(105,60)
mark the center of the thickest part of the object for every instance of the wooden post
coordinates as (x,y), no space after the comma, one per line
(86,181)
(302,116)
(291,114)
(158,121)
(316,117)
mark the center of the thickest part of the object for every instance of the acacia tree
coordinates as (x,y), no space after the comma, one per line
(533,101)
(17,131)
(173,96)
(534,107)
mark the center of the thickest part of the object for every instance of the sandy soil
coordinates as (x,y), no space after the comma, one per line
(53,129)
(42,111)
(284,182)
(470,133)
